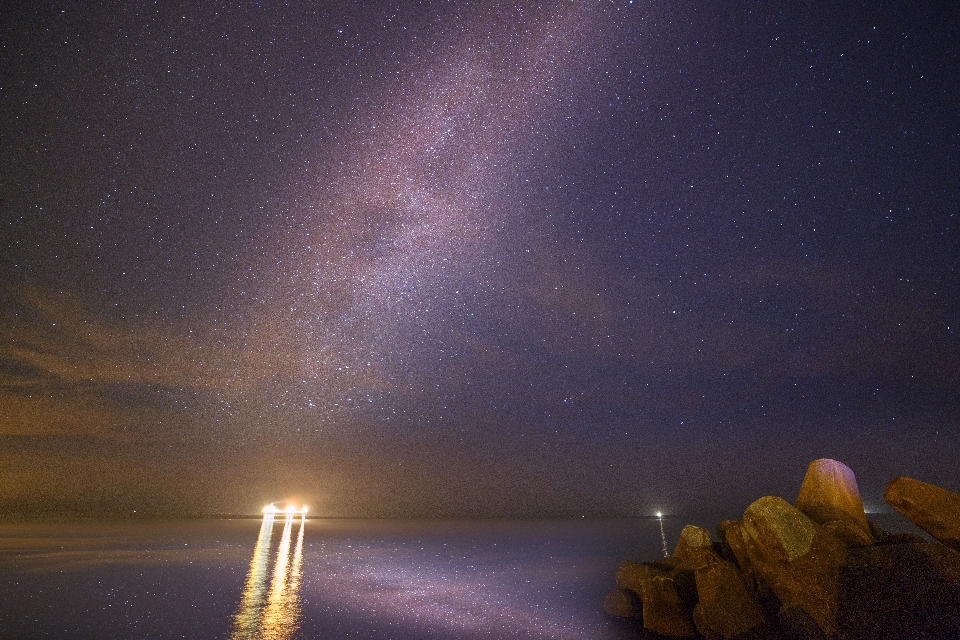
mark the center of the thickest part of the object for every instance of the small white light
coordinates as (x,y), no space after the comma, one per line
(270,509)
(659,515)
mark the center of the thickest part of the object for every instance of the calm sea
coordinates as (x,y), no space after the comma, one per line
(364,579)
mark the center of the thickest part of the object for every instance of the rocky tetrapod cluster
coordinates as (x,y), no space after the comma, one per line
(814,569)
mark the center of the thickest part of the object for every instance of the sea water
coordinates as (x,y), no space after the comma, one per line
(317,578)
(320,578)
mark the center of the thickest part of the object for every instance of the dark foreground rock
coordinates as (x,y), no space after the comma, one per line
(794,623)
(898,591)
(819,569)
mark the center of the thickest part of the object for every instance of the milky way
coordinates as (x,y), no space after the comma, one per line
(507,259)
(403,241)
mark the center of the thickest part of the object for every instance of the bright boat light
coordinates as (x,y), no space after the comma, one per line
(270,509)
(304,510)
(291,509)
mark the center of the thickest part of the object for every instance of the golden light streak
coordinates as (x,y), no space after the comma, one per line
(276,616)
(281,616)
(292,600)
(246,621)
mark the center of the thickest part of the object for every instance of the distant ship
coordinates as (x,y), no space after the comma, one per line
(290,510)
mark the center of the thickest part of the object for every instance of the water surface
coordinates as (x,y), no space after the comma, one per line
(317,578)
(321,578)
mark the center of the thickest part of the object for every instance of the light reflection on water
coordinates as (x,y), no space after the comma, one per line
(406,582)
(471,580)
(375,580)
(276,616)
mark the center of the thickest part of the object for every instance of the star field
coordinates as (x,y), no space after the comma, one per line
(453,259)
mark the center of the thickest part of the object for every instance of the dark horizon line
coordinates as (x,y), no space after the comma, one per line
(38,516)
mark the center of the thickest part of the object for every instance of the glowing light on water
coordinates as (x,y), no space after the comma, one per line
(247,619)
(281,618)
(274,615)
(663,536)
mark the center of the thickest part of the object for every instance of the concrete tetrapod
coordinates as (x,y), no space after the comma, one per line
(657,596)
(621,603)
(664,610)
(630,575)
(932,508)
(694,549)
(830,497)
(726,609)
(797,558)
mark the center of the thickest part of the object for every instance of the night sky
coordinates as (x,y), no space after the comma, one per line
(591,258)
